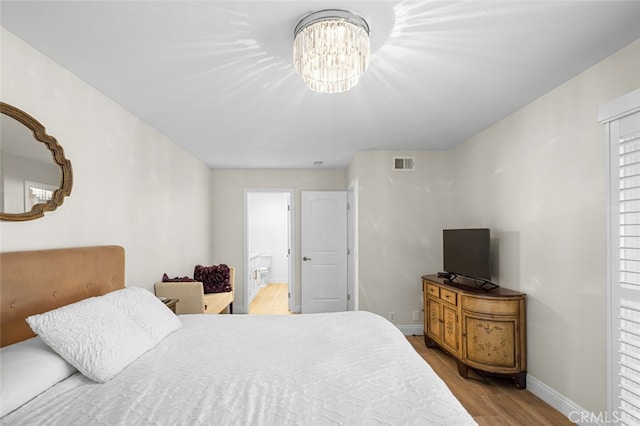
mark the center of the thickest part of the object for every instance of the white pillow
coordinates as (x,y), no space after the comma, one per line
(146,310)
(93,336)
(27,369)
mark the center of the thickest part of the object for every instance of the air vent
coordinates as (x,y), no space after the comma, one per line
(404,163)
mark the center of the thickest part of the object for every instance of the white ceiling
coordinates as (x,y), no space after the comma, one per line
(217,78)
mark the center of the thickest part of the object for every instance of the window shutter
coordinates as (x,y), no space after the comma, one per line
(624,311)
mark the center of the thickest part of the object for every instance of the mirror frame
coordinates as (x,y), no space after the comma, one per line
(66,177)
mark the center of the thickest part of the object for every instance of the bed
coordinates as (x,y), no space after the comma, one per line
(337,368)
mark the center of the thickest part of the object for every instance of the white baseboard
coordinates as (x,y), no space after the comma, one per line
(558,401)
(411,329)
(564,405)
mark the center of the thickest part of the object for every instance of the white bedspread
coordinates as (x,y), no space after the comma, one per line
(340,368)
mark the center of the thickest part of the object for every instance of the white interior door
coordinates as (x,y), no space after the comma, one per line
(324,251)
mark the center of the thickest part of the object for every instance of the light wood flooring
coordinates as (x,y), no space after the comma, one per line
(490,400)
(271,299)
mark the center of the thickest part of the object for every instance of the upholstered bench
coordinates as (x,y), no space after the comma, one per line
(193,300)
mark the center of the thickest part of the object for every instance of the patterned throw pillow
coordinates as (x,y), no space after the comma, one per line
(215,279)
(166,279)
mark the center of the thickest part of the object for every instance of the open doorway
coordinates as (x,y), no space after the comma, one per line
(268,287)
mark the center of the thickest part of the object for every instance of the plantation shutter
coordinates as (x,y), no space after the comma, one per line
(624,268)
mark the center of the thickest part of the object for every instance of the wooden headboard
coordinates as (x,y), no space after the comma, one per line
(32,282)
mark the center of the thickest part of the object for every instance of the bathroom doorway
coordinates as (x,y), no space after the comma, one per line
(268,248)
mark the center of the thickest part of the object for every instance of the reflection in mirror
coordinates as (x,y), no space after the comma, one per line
(27,168)
(35,176)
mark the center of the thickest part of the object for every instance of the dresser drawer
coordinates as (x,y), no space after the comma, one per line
(449,296)
(433,290)
(491,306)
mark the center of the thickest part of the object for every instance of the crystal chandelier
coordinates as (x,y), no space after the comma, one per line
(331,50)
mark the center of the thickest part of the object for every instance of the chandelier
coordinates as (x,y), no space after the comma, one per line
(331,50)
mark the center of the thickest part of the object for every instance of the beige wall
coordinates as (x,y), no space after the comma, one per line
(132,186)
(400,215)
(538,179)
(227,212)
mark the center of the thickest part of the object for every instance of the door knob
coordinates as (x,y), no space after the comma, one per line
(306,258)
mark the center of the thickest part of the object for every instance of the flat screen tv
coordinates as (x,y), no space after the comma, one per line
(466,252)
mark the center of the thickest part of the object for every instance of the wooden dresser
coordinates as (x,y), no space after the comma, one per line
(483,330)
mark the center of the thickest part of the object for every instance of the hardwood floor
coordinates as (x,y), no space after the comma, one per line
(271,299)
(490,400)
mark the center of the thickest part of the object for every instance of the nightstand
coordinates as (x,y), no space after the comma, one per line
(171,304)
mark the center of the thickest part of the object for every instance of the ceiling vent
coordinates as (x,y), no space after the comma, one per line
(404,163)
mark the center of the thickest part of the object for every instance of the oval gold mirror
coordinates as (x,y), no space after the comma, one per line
(35,176)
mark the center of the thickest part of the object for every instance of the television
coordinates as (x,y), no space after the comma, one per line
(466,252)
